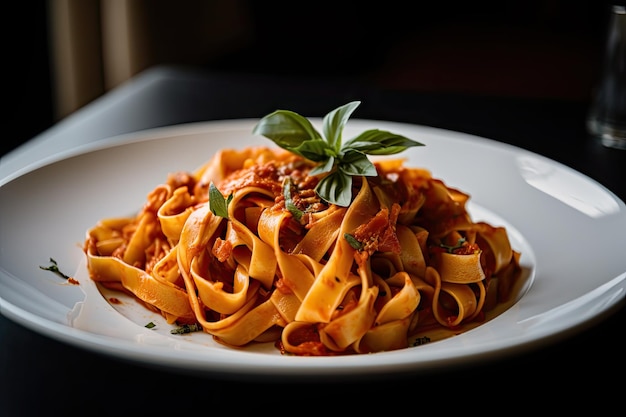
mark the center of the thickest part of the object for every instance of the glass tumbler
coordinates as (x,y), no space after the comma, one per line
(607,114)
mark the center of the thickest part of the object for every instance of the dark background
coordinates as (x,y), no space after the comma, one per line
(477,66)
(541,48)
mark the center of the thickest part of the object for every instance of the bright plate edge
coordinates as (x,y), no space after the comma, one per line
(392,362)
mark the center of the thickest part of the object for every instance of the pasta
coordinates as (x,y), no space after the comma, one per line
(403,263)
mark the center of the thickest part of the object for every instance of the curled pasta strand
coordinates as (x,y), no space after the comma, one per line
(403,303)
(213,294)
(174,212)
(249,326)
(412,258)
(262,263)
(331,283)
(460,269)
(295,274)
(163,295)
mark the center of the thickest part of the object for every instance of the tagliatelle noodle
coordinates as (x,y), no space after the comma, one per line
(403,260)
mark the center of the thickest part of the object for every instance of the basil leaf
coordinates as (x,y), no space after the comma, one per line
(286,128)
(380,142)
(334,122)
(327,166)
(217,203)
(336,188)
(316,150)
(357,163)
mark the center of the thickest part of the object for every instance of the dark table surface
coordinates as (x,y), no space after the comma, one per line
(42,376)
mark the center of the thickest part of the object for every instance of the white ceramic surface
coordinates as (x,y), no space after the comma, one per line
(569,229)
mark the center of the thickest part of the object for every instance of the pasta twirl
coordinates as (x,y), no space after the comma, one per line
(403,260)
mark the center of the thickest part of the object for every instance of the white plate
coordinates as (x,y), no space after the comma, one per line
(569,229)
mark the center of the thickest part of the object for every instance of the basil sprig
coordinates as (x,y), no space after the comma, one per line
(338,161)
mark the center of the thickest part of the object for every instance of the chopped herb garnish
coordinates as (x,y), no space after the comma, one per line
(186,328)
(150,325)
(54,268)
(421,341)
(451,249)
(217,203)
(338,161)
(289,205)
(352,241)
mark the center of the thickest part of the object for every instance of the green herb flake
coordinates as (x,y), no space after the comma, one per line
(352,241)
(217,203)
(337,161)
(54,268)
(150,325)
(289,205)
(421,341)
(187,328)
(451,249)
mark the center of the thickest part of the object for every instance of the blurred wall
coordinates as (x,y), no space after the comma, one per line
(98,44)
(69,52)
